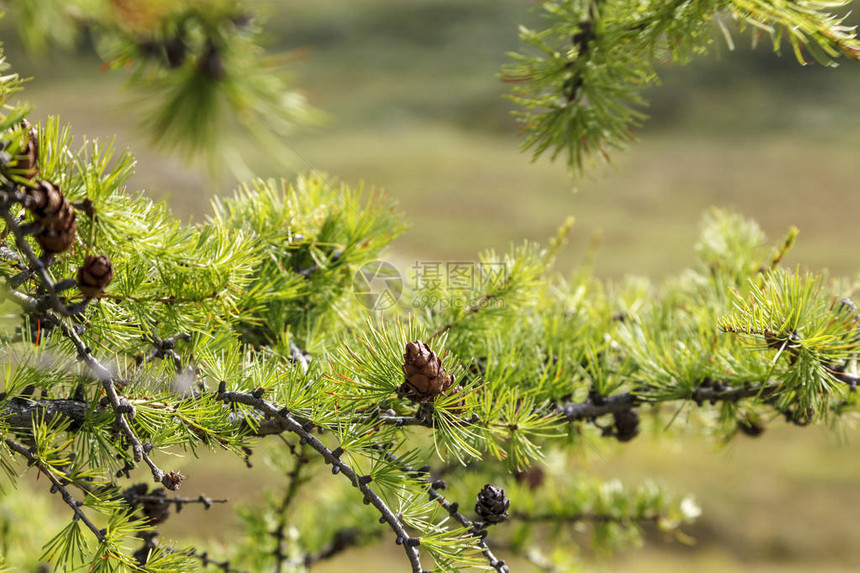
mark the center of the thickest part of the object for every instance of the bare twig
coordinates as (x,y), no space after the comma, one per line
(410,544)
(343,539)
(712,393)
(121,407)
(295,482)
(57,485)
(225,566)
(20,411)
(477,529)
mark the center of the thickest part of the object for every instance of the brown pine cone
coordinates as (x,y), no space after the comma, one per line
(45,201)
(425,377)
(29,158)
(55,214)
(492,506)
(172,480)
(58,231)
(95,275)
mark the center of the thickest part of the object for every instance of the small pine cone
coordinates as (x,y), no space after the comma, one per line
(95,275)
(626,424)
(45,201)
(29,158)
(172,480)
(492,506)
(58,232)
(425,377)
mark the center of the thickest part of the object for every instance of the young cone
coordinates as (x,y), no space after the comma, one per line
(492,506)
(426,379)
(59,236)
(95,275)
(45,201)
(55,214)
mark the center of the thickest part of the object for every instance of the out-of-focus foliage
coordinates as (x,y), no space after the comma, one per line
(198,68)
(580,83)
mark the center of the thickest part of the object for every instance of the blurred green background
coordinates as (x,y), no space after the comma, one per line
(415,107)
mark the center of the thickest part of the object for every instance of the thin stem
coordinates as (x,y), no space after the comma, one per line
(206,561)
(121,408)
(20,448)
(295,482)
(167,300)
(343,539)
(19,411)
(477,529)
(361,482)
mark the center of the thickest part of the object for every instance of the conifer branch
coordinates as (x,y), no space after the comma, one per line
(591,408)
(478,529)
(711,392)
(20,412)
(179,502)
(166,300)
(272,265)
(36,265)
(120,405)
(122,409)
(580,83)
(57,485)
(289,423)
(165,349)
(421,418)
